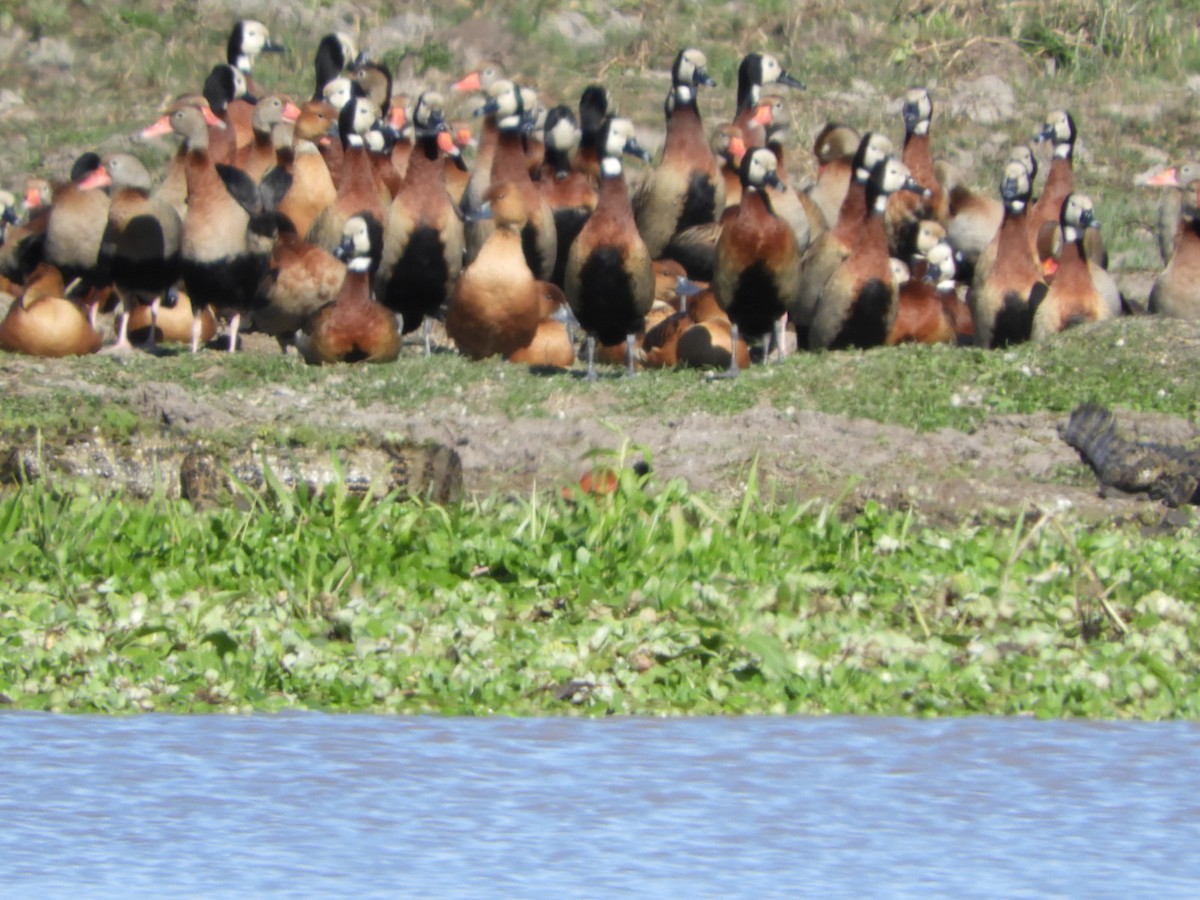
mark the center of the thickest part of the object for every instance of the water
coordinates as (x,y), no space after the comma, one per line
(316,805)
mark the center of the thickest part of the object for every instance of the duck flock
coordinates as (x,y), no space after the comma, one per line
(342,223)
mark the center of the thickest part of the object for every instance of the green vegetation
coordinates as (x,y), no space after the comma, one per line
(648,601)
(1145,363)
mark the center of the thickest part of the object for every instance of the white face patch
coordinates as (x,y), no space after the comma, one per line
(1070,234)
(610,167)
(1062,151)
(684,94)
(359,264)
(921,128)
(1017,206)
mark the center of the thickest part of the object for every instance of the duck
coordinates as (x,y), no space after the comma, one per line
(686,187)
(973,218)
(173,186)
(359,191)
(301,278)
(857,305)
(595,104)
(225,91)
(756,273)
(795,207)
(833,246)
(481,80)
(141,244)
(76,224)
(755,71)
(1169,210)
(496,303)
(42,322)
(424,234)
(173,321)
(942,270)
(551,346)
(247,41)
(729,146)
(23,244)
(569,192)
(1008,279)
(354,327)
(1072,298)
(260,156)
(834,149)
(310,188)
(336,53)
(215,263)
(1059,130)
(922,313)
(905,208)
(609,278)
(1176,290)
(510,164)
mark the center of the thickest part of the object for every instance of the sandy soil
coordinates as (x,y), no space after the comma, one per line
(1009,464)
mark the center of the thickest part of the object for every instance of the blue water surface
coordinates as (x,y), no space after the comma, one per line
(320,805)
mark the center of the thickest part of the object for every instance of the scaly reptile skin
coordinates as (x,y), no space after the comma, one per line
(1165,472)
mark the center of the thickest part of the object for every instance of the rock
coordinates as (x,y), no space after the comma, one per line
(54,52)
(576,29)
(987,100)
(9,101)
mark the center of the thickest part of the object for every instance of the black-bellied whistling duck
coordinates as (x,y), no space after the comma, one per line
(335,53)
(685,188)
(247,41)
(729,147)
(78,219)
(216,265)
(497,303)
(141,244)
(551,345)
(423,238)
(400,134)
(857,305)
(458,173)
(1072,298)
(594,105)
(259,156)
(921,313)
(757,269)
(834,149)
(1170,206)
(569,192)
(1007,275)
(359,191)
(41,322)
(609,279)
(173,186)
(1059,129)
(354,327)
(301,278)
(312,188)
(754,72)
(828,251)
(225,91)
(481,80)
(511,164)
(1176,291)
(906,208)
